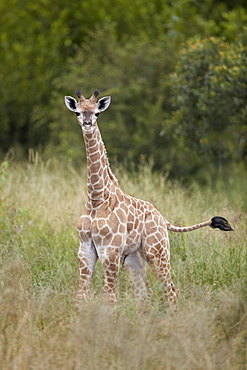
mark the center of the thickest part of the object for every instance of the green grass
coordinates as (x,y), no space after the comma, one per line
(41,327)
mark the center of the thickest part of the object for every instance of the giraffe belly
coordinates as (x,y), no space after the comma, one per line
(135,226)
(118,229)
(133,242)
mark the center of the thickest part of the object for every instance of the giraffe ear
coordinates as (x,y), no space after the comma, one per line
(103,103)
(71,103)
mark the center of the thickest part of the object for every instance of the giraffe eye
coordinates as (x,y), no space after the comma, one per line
(97,114)
(77,113)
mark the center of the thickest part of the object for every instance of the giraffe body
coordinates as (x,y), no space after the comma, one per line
(117,228)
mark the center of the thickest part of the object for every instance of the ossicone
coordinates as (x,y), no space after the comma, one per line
(95,95)
(80,96)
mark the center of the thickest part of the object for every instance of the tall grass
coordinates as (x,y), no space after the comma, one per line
(41,327)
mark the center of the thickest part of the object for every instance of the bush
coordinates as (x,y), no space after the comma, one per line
(209,124)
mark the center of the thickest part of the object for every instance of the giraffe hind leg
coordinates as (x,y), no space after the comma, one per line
(161,269)
(135,265)
(157,254)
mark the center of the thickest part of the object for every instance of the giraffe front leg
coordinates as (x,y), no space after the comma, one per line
(111,263)
(87,259)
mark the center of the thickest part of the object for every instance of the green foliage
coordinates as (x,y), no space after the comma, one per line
(135,76)
(36,40)
(233,23)
(126,48)
(210,92)
(33,39)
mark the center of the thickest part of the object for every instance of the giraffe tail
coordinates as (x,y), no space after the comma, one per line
(216,222)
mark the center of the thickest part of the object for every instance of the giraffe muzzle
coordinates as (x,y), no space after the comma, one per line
(87,127)
(87,124)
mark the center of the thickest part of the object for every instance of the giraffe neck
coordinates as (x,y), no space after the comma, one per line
(101,181)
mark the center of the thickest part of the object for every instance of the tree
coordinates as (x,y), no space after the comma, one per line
(209,123)
(37,39)
(136,76)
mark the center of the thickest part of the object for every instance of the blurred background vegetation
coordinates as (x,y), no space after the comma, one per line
(177,74)
(176,71)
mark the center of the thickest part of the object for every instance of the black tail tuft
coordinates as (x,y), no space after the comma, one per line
(220,223)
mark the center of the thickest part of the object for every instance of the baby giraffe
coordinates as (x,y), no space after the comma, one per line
(115,227)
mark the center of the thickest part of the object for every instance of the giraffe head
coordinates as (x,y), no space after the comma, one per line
(87,110)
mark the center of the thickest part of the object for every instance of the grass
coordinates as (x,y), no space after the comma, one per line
(41,327)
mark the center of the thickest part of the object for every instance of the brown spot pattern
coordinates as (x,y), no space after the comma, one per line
(116,227)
